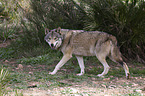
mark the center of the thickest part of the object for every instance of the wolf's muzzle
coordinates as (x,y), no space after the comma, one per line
(52,45)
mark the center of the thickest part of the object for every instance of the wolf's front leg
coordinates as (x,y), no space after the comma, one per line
(81,64)
(64,59)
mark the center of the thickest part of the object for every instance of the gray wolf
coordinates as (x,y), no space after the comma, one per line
(85,43)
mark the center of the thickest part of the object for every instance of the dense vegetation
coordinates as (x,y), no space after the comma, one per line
(123,18)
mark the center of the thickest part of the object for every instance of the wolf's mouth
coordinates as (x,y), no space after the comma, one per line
(53,48)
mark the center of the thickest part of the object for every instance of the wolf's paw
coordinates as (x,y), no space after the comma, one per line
(80,74)
(128,75)
(52,73)
(100,75)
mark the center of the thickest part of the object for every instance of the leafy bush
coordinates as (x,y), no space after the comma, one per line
(50,14)
(56,13)
(8,31)
(9,21)
(124,19)
(3,14)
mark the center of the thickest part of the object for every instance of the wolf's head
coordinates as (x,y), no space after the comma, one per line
(53,38)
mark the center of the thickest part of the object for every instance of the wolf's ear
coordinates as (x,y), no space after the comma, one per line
(59,30)
(46,31)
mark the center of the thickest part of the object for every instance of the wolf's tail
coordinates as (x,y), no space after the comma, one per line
(115,52)
(116,55)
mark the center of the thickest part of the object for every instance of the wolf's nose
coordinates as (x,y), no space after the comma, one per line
(52,45)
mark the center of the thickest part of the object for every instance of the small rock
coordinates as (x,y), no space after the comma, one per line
(6,61)
(135,85)
(103,85)
(73,90)
(29,66)
(112,86)
(111,76)
(93,79)
(20,66)
(139,91)
(30,72)
(106,79)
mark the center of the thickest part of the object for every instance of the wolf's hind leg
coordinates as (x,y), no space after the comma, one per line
(119,60)
(106,66)
(64,59)
(126,69)
(81,64)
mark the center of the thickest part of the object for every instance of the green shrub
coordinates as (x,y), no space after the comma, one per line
(9,21)
(122,18)
(8,31)
(50,14)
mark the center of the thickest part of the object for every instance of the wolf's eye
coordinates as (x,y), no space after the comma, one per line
(49,38)
(55,38)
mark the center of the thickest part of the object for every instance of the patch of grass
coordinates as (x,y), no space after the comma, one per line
(36,69)
(31,51)
(39,55)
(4,80)
(17,93)
(59,84)
(69,91)
(47,58)
(6,53)
(118,72)
(14,92)
(65,78)
(95,70)
(13,52)
(20,78)
(133,94)
(138,72)
(35,54)
(52,59)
